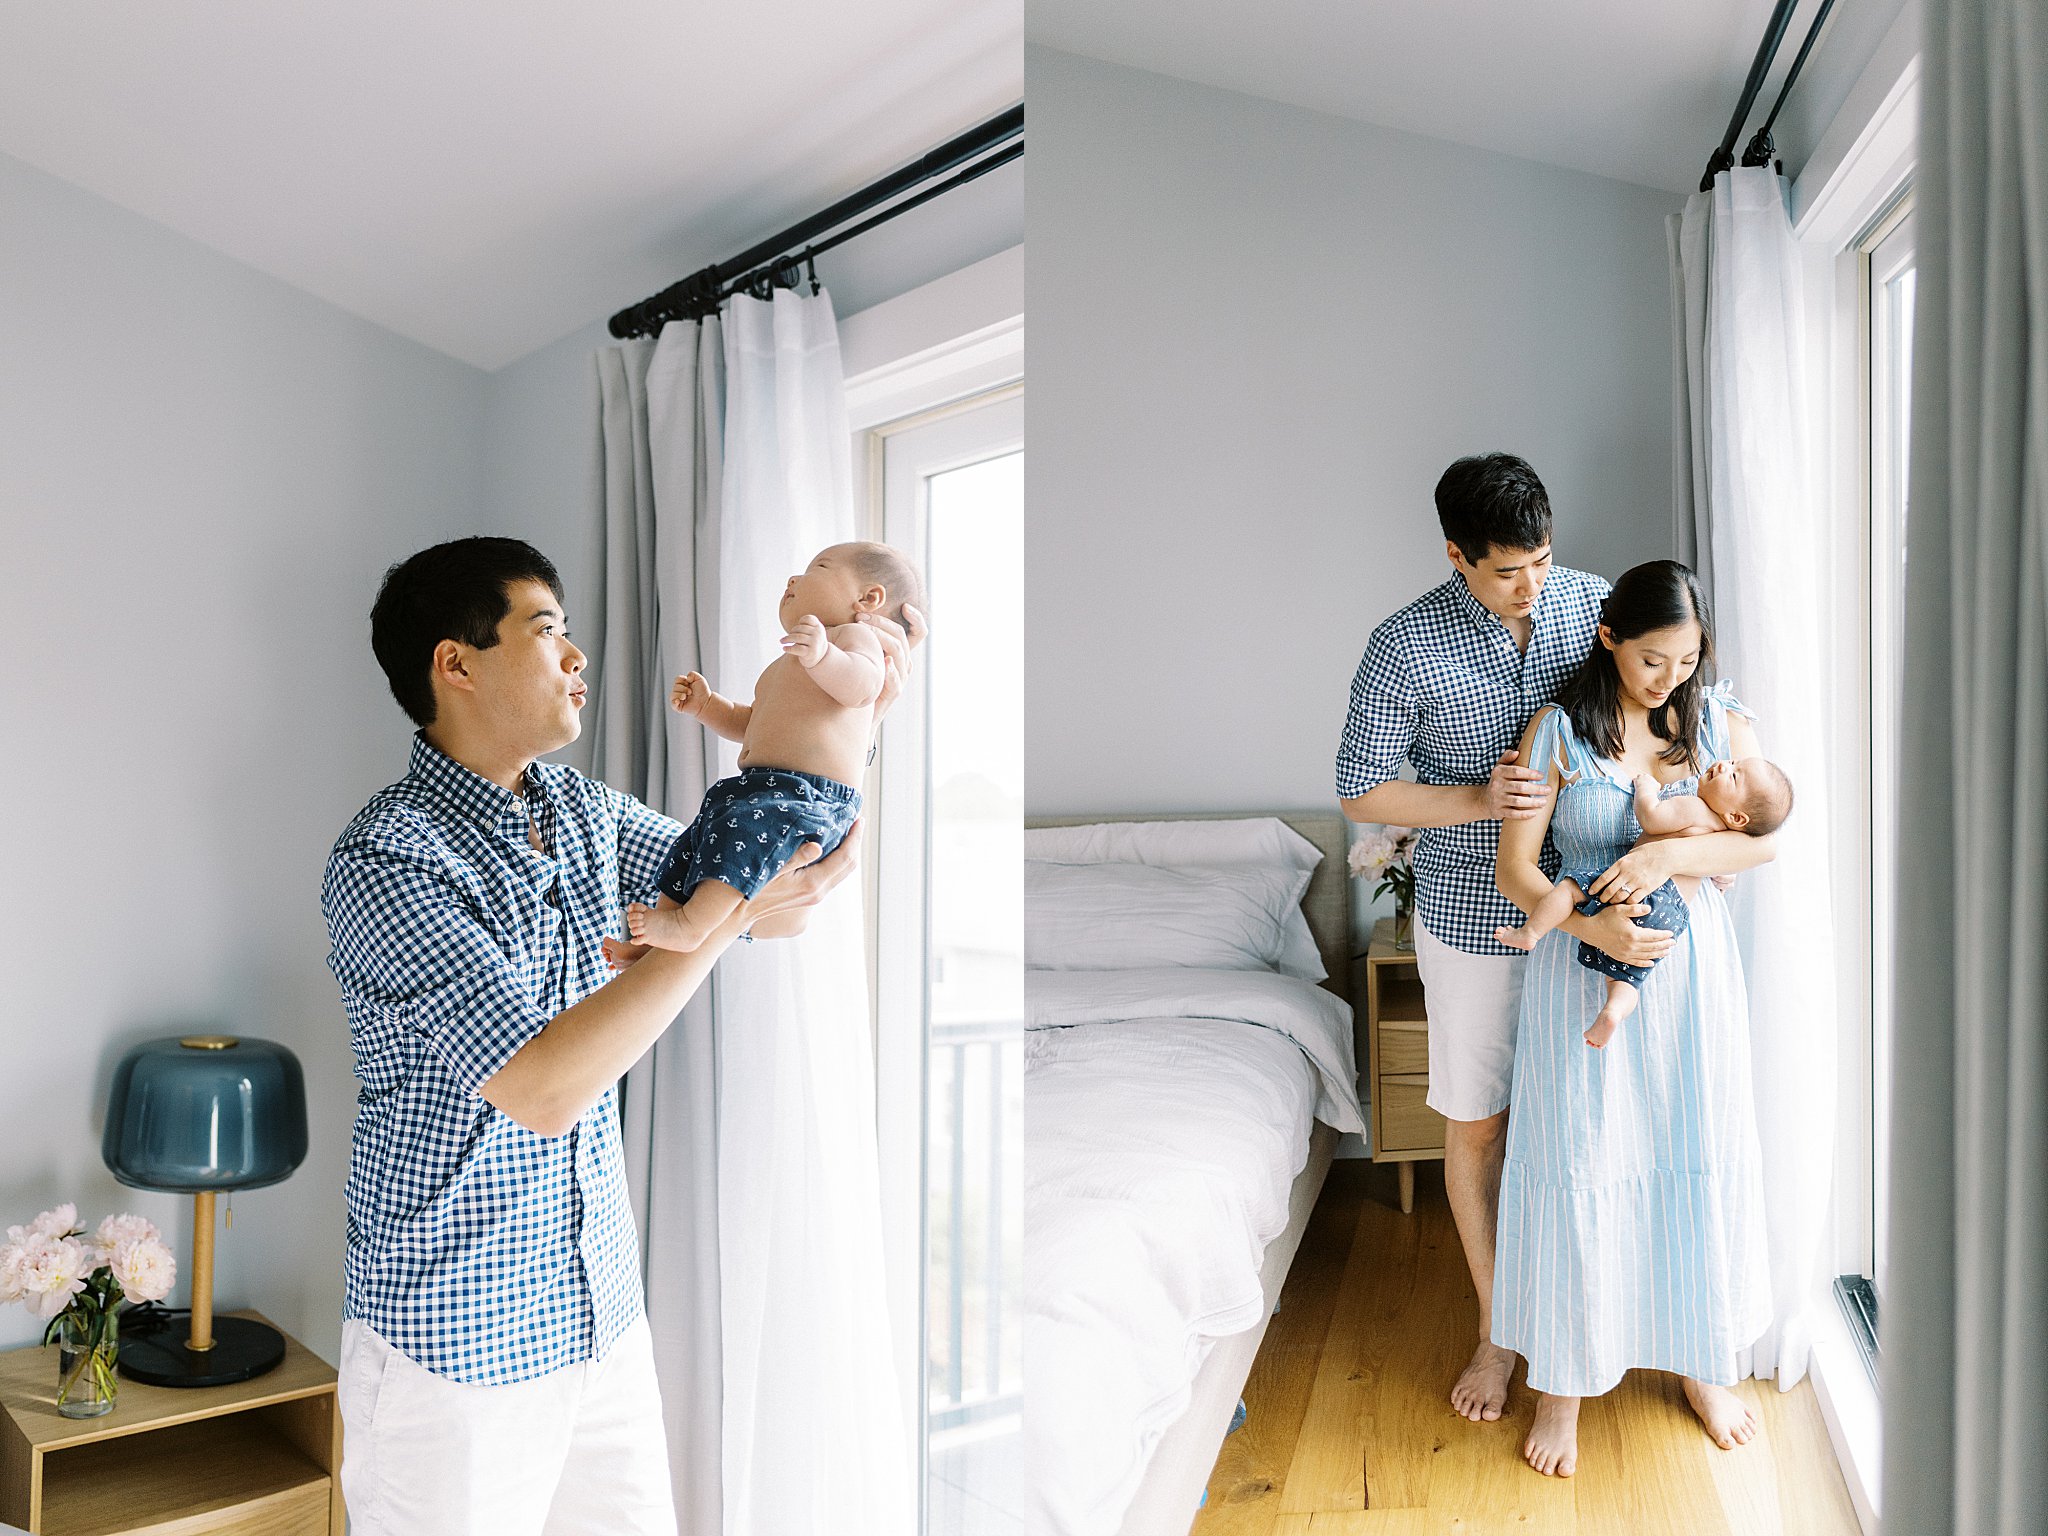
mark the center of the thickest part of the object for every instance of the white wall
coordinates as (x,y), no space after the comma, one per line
(203,472)
(1258,336)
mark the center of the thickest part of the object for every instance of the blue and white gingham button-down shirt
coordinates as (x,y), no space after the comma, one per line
(1443,686)
(485,1252)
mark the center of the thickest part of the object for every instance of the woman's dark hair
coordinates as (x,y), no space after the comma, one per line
(455,591)
(1660,595)
(1492,501)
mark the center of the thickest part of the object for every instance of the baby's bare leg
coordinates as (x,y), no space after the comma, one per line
(667,925)
(1621,1002)
(1553,909)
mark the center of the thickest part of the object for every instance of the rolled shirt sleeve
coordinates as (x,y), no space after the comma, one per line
(1380,726)
(407,938)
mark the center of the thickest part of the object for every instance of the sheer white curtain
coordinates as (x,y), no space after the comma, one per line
(1967,1281)
(814,1439)
(1750,524)
(749,1128)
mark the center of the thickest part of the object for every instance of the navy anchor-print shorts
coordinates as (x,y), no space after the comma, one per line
(751,824)
(1667,911)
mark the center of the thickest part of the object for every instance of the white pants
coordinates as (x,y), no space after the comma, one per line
(579,1450)
(1473,1003)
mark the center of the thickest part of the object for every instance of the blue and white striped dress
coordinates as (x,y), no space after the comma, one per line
(1631,1204)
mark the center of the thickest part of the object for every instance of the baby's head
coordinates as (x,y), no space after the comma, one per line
(848,580)
(1749,794)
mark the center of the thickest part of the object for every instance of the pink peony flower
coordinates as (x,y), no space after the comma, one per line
(116,1230)
(144,1267)
(61,1222)
(52,1271)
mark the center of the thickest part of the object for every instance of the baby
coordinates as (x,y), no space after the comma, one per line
(804,741)
(1749,795)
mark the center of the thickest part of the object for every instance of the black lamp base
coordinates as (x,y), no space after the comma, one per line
(241,1349)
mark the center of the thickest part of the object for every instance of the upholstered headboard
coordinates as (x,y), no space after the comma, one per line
(1326,904)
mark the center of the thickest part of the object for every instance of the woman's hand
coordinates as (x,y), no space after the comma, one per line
(1634,875)
(897,644)
(803,881)
(1613,931)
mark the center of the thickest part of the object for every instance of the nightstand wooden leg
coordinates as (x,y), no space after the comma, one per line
(1407,1188)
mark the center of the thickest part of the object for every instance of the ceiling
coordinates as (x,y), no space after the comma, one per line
(1637,90)
(486,176)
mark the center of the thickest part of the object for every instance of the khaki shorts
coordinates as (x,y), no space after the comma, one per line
(1473,1002)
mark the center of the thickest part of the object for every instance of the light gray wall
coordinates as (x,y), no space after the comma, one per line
(202,474)
(1258,336)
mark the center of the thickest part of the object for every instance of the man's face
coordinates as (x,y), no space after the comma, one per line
(1507,582)
(528,688)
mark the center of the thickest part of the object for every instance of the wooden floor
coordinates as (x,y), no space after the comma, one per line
(1349,1431)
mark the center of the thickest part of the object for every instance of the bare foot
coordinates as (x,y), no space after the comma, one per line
(619,955)
(1603,1029)
(1481,1392)
(1514,938)
(1730,1421)
(1553,1444)
(662,927)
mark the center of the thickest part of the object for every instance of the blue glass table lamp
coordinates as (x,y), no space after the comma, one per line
(197,1115)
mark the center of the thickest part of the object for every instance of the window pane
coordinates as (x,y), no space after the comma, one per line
(1890,444)
(974,1278)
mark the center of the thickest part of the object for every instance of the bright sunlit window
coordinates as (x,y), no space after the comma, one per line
(950,970)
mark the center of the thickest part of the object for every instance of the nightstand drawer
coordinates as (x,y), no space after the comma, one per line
(1402,1121)
(1403,1048)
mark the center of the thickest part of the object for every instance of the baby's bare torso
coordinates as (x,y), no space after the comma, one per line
(798,725)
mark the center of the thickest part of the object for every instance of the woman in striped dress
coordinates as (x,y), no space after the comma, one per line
(1631,1208)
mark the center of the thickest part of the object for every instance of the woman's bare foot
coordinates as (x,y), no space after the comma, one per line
(1481,1392)
(1730,1421)
(1553,1444)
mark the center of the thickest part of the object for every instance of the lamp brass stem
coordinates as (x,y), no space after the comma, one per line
(202,1273)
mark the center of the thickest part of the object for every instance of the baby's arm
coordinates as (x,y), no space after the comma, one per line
(691,695)
(1679,814)
(846,661)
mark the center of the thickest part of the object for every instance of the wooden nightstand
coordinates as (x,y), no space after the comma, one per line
(1404,1128)
(260,1458)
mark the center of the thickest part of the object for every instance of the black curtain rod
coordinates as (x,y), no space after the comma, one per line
(1761,151)
(784,255)
(1766,51)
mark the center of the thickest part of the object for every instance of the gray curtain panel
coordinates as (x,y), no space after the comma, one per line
(662,412)
(1967,1286)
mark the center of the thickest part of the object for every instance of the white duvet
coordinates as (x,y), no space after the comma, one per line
(1168,1114)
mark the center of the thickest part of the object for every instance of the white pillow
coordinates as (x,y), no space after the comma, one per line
(1117,917)
(1252,840)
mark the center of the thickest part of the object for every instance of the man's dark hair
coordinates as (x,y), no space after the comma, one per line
(1492,501)
(455,591)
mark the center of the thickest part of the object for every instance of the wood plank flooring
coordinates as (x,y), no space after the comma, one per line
(1348,1430)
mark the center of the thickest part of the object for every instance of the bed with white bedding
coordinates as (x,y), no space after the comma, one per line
(1180,1119)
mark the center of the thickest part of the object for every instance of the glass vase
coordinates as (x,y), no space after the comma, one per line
(87,1351)
(1404,924)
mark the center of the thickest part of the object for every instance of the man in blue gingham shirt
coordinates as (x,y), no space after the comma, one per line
(1447,685)
(496,1373)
